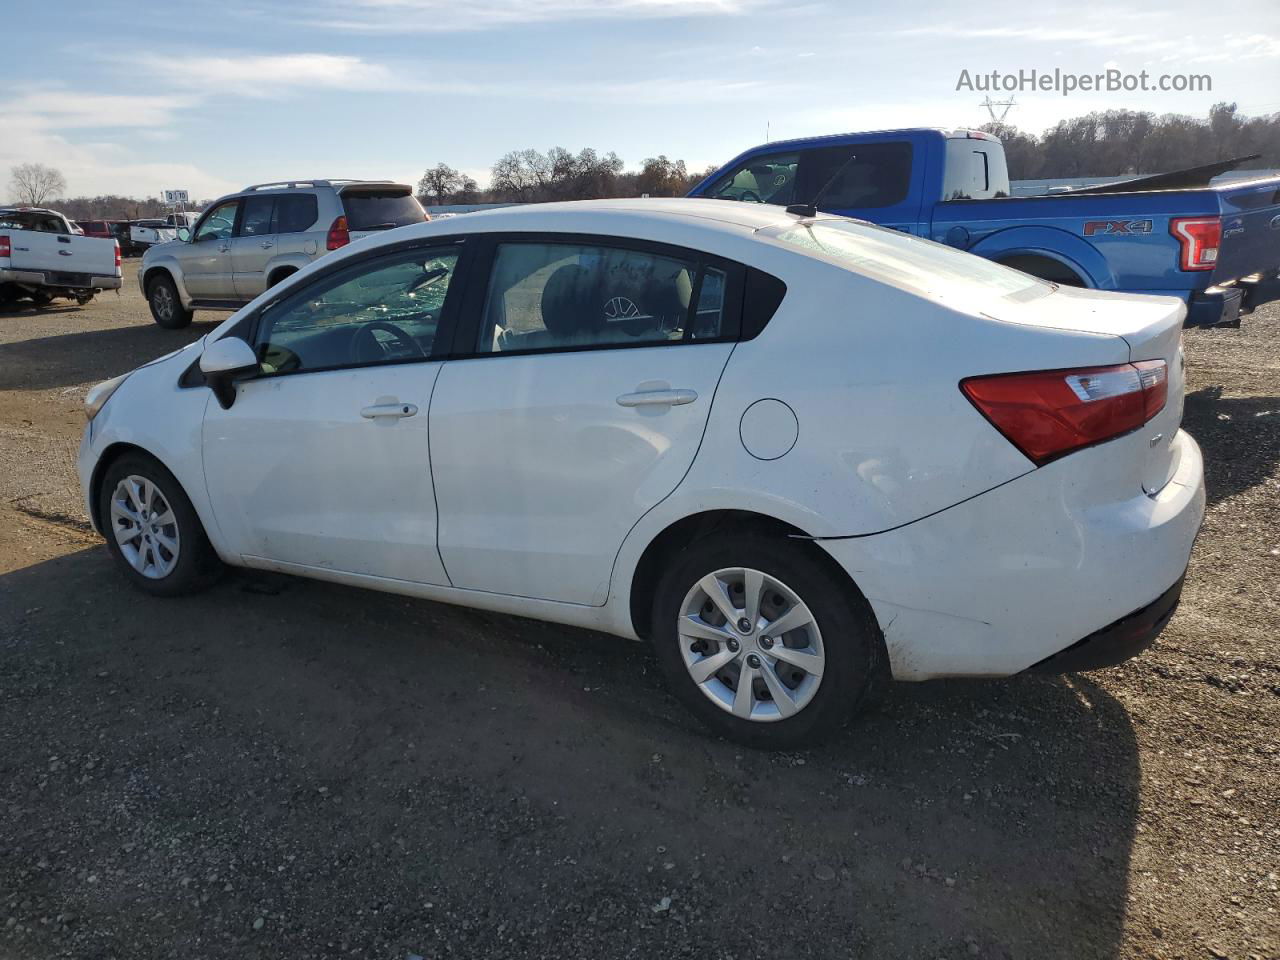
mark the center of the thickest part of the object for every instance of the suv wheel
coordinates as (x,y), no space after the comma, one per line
(166,307)
(152,530)
(763,642)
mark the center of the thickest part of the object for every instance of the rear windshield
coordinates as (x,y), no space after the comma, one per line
(917,265)
(380,209)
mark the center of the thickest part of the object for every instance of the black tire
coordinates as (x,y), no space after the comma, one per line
(197,564)
(852,643)
(166,307)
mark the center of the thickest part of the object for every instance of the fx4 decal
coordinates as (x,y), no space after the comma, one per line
(1113,228)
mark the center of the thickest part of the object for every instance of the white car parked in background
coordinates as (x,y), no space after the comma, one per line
(797,454)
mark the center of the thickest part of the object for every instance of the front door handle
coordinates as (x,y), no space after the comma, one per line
(395,410)
(266,244)
(657,398)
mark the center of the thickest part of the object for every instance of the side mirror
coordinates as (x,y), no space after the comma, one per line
(184,234)
(223,361)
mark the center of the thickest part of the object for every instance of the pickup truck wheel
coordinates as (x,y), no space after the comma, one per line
(41,299)
(166,308)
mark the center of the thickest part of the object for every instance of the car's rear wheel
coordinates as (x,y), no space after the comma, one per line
(166,307)
(763,641)
(152,530)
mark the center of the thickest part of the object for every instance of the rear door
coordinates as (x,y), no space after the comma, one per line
(253,246)
(294,224)
(372,208)
(579,400)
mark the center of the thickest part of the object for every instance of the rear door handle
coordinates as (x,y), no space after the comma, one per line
(395,410)
(657,398)
(266,244)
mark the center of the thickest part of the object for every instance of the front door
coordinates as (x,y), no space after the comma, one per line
(581,406)
(206,260)
(253,247)
(322,460)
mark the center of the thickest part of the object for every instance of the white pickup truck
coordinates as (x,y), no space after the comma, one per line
(148,233)
(42,258)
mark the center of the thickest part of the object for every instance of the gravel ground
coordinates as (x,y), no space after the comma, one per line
(285,768)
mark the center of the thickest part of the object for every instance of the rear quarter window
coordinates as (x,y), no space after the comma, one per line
(380,209)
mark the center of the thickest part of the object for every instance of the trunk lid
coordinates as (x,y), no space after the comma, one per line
(1152,327)
(1250,229)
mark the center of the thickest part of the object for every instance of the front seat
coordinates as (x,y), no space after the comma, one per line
(571,310)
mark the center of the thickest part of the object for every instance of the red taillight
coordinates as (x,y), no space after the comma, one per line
(339,236)
(1050,413)
(117,253)
(5,250)
(1200,238)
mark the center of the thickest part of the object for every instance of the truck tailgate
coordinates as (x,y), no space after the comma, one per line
(1250,229)
(65,259)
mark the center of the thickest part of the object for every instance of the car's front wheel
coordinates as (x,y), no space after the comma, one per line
(166,307)
(152,529)
(763,641)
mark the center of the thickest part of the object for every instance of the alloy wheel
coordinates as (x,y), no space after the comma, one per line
(145,527)
(751,644)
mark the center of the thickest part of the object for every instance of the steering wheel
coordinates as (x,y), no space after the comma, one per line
(750,196)
(366,348)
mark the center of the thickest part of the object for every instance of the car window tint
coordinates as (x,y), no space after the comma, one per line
(768,179)
(220,222)
(379,311)
(257,216)
(380,209)
(548,296)
(295,212)
(856,176)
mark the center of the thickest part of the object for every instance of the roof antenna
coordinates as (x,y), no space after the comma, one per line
(810,209)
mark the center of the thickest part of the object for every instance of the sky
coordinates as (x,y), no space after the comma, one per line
(132,98)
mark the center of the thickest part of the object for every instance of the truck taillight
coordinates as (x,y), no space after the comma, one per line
(1199,238)
(1050,413)
(117,253)
(5,250)
(339,236)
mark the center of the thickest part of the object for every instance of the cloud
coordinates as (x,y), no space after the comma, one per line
(1205,48)
(442,16)
(271,75)
(64,109)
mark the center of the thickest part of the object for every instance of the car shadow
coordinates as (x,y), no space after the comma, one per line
(47,363)
(1240,437)
(399,775)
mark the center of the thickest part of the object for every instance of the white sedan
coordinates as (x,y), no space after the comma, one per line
(798,455)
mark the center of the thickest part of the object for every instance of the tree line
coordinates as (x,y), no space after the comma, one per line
(1122,142)
(1101,144)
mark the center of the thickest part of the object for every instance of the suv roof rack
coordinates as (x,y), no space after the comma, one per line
(292,184)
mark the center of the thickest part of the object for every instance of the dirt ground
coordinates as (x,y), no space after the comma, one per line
(282,768)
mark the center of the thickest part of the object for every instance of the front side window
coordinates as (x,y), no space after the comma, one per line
(555,296)
(768,179)
(257,216)
(379,311)
(220,223)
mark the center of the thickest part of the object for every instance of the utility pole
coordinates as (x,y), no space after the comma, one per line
(991,105)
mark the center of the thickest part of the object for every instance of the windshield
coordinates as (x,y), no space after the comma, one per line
(381,209)
(914,264)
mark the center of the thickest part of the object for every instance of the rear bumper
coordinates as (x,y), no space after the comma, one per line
(1215,307)
(36,278)
(1122,640)
(1006,580)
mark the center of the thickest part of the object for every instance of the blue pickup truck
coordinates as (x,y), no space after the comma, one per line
(1215,247)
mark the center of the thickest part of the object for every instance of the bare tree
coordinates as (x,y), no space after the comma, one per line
(34,183)
(438,183)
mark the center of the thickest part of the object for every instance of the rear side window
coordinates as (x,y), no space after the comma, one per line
(295,213)
(380,209)
(867,175)
(257,216)
(557,296)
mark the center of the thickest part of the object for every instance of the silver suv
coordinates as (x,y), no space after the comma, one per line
(251,240)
